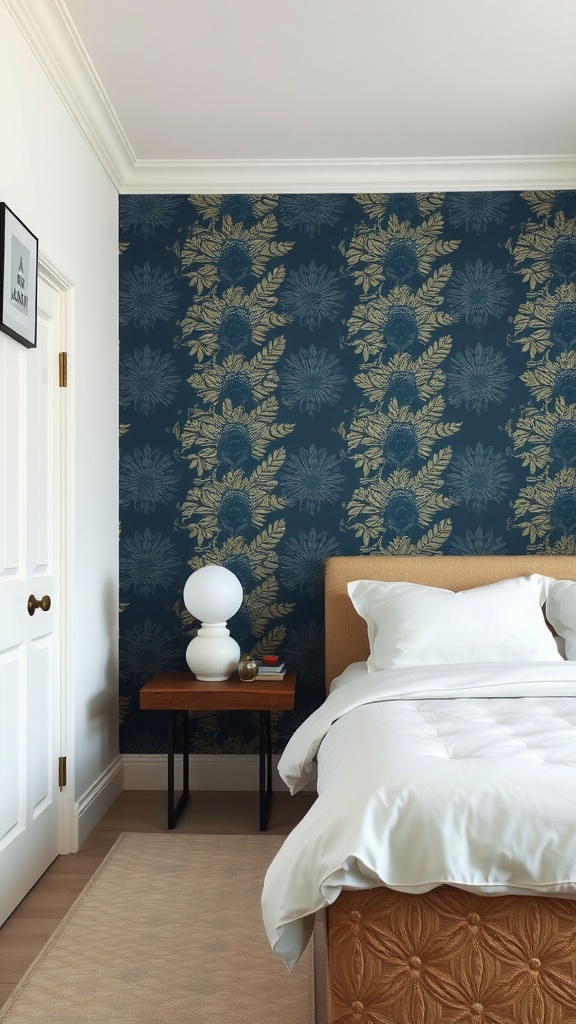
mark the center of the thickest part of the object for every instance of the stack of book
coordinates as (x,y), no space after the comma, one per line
(270,668)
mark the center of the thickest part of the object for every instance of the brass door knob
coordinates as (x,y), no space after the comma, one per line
(33,603)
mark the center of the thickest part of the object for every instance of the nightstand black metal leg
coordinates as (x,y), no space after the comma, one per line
(265,767)
(186,753)
(175,810)
(269,756)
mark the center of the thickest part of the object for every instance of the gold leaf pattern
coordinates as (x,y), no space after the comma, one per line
(368,249)
(204,247)
(205,319)
(534,249)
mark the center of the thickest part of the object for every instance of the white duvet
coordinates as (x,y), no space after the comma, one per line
(464,775)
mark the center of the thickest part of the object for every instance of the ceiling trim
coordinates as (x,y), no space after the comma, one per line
(50,31)
(456,174)
(54,39)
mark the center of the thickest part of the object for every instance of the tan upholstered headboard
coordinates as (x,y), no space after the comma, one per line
(346,637)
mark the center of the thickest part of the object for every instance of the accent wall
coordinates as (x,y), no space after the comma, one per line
(310,375)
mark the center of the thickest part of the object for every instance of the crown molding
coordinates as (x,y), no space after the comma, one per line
(53,38)
(47,26)
(455,174)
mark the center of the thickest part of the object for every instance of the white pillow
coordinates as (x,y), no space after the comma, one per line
(409,624)
(561,613)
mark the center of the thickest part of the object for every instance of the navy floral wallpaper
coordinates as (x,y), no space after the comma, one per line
(309,375)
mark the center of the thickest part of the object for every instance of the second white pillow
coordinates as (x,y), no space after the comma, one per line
(561,613)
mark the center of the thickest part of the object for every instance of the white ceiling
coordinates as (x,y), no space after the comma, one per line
(310,83)
(274,79)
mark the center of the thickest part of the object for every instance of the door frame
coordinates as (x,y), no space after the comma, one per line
(68,816)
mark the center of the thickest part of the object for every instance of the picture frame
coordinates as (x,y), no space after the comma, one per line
(18,278)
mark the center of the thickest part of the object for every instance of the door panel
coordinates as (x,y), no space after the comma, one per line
(11,455)
(40,725)
(11,687)
(30,692)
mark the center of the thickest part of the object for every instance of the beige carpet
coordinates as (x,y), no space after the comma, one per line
(168,931)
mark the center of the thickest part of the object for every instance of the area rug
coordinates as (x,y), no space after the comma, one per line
(167,931)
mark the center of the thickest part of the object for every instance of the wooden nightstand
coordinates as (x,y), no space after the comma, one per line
(177,692)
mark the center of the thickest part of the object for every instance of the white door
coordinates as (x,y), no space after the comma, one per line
(30,691)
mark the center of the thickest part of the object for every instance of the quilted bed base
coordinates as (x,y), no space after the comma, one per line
(451,957)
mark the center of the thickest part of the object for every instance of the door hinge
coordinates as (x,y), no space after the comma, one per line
(63,369)
(61,772)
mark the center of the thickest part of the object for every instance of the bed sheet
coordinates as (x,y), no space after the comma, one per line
(464,776)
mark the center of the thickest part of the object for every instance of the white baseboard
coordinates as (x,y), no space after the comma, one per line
(98,798)
(228,772)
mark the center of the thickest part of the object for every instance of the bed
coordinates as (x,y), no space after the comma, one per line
(482,954)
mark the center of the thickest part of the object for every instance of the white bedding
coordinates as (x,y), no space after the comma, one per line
(459,775)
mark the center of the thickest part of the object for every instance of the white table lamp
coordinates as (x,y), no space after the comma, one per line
(212,594)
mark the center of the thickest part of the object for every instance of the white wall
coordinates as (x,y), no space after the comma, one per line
(52,181)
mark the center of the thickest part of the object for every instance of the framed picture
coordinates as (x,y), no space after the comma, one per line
(18,278)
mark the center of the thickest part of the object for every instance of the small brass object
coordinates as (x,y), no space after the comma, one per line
(63,369)
(33,603)
(247,668)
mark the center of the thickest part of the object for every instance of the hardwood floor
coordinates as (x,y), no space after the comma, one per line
(26,931)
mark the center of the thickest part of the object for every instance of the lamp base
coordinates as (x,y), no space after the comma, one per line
(212,655)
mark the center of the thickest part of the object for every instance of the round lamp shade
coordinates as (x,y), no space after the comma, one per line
(212,594)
